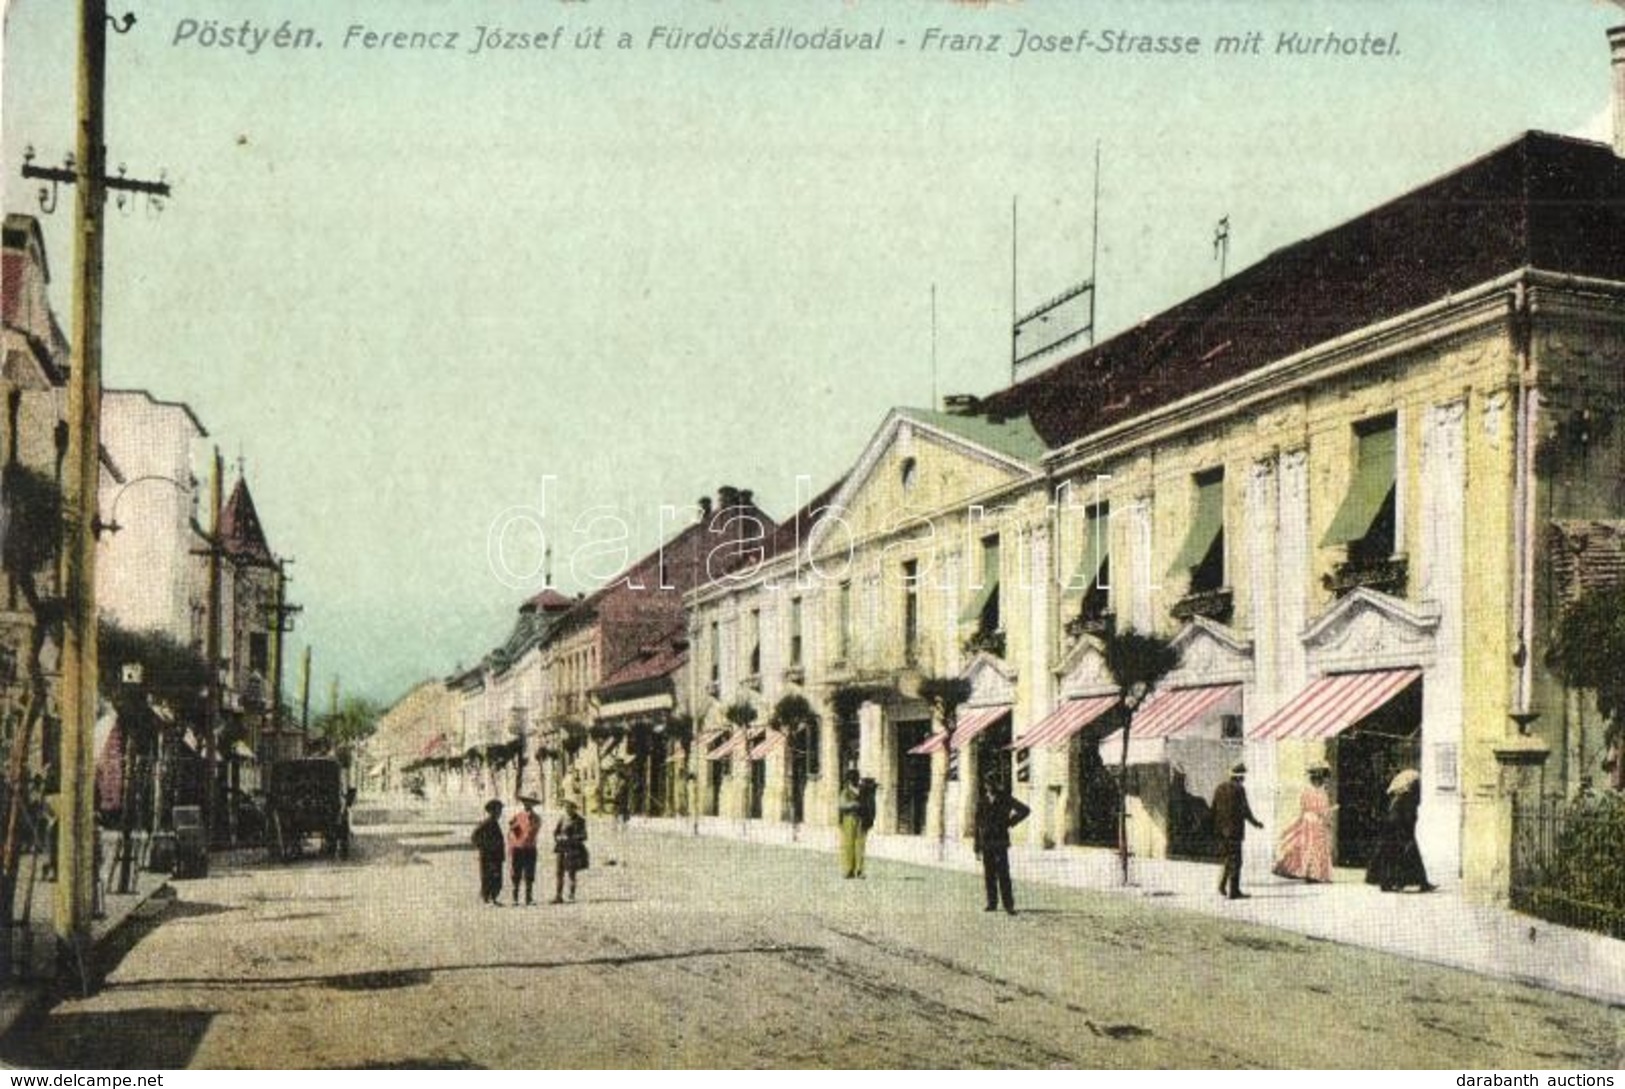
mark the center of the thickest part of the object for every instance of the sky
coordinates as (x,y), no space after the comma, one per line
(414,289)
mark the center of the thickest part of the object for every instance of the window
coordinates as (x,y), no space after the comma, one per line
(844,620)
(806,742)
(1365,520)
(908,473)
(754,639)
(259,652)
(1202,555)
(716,652)
(795,632)
(1091,582)
(911,609)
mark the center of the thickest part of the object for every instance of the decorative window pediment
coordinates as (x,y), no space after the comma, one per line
(1369,630)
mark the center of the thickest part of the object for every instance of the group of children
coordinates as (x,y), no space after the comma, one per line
(519,847)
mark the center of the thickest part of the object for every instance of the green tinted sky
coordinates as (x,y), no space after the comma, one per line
(408,285)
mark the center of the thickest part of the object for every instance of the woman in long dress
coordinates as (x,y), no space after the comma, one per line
(1305,851)
(1397,863)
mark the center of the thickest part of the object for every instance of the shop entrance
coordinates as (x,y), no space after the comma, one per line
(913,777)
(1364,759)
(1094,785)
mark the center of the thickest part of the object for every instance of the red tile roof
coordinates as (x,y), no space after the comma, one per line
(647,601)
(548,601)
(1542,201)
(652,662)
(794,531)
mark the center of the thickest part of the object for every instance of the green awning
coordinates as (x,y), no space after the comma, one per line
(990,583)
(973,611)
(1206,524)
(1373,480)
(1095,549)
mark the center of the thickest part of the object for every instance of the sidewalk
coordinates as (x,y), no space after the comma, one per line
(34,946)
(1437,928)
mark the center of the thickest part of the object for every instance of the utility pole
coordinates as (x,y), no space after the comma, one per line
(76,854)
(1221,243)
(211,649)
(281,615)
(304,698)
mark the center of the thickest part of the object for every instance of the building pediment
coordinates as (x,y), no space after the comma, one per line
(1210,653)
(992,681)
(1370,630)
(919,464)
(1083,670)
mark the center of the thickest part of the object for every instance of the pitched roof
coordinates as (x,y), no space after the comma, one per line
(1542,201)
(653,661)
(794,531)
(240,532)
(548,601)
(1015,437)
(1586,554)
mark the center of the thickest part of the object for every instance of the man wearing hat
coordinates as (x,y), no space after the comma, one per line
(488,842)
(1231,816)
(523,829)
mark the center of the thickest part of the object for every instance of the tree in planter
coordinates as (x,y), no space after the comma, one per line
(1587,654)
(612,775)
(793,716)
(741,715)
(1137,662)
(945,695)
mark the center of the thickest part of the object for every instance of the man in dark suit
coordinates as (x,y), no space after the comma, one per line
(996,813)
(1231,816)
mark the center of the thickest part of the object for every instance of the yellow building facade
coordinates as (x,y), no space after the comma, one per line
(1334,481)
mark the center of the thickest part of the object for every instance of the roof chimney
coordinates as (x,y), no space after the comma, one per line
(727,496)
(746,497)
(1616,45)
(705,508)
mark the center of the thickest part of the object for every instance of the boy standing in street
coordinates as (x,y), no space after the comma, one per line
(488,841)
(522,832)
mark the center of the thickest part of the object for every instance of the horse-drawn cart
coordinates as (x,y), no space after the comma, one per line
(306,799)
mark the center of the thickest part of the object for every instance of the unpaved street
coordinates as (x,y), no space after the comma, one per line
(689,952)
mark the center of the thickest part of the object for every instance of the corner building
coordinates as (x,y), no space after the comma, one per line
(1338,479)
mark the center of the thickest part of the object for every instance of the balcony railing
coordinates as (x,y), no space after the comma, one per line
(1096,624)
(1387,576)
(1216,605)
(993,642)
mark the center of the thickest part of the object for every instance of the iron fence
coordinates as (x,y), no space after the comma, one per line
(1568,862)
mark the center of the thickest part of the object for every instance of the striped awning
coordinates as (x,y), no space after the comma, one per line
(1332,704)
(1166,714)
(773,741)
(1175,709)
(969,724)
(1058,727)
(739,742)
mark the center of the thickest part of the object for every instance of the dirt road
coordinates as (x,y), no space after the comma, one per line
(706,953)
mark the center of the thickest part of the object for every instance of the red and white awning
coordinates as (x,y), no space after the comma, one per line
(1166,714)
(772,742)
(739,742)
(969,724)
(1332,704)
(1060,724)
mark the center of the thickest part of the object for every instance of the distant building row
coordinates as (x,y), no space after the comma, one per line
(1354,482)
